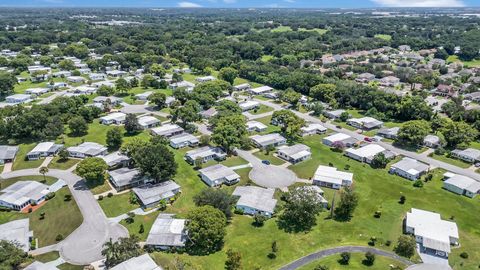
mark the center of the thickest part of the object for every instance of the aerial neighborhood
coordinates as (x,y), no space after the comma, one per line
(151,139)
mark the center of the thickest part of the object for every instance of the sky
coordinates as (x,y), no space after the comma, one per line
(244,3)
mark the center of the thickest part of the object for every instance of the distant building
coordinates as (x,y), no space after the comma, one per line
(125,178)
(330,177)
(333,114)
(255,200)
(36,265)
(151,195)
(256,126)
(18,99)
(389,133)
(144,95)
(143,262)
(87,149)
(461,185)
(343,138)
(365,123)
(242,87)
(148,121)
(468,155)
(218,174)
(44,149)
(432,141)
(264,141)
(116,160)
(205,79)
(260,90)
(183,140)
(167,130)
(7,153)
(22,194)
(249,105)
(116,118)
(205,154)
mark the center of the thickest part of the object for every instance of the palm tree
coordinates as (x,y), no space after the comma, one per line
(43,171)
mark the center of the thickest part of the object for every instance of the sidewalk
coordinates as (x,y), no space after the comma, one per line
(138,212)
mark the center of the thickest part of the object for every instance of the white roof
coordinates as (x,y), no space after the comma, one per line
(337,137)
(248,104)
(144,95)
(147,120)
(367,121)
(19,96)
(23,191)
(185,137)
(411,166)
(205,151)
(167,231)
(36,90)
(295,151)
(43,147)
(90,148)
(219,171)
(369,150)
(261,89)
(114,158)
(256,198)
(40,266)
(166,129)
(255,124)
(143,262)
(332,175)
(267,139)
(149,194)
(119,116)
(314,127)
(463,182)
(17,231)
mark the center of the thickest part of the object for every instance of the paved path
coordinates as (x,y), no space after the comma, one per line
(7,167)
(425,159)
(52,97)
(202,128)
(257,116)
(137,211)
(269,176)
(84,245)
(241,166)
(46,161)
(332,251)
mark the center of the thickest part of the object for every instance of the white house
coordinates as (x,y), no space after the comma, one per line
(468,155)
(389,133)
(343,138)
(295,153)
(409,168)
(367,152)
(148,121)
(313,129)
(116,73)
(167,130)
(44,149)
(63,73)
(18,99)
(366,123)
(330,177)
(17,231)
(84,90)
(36,265)
(143,96)
(432,233)
(151,195)
(183,84)
(75,79)
(104,83)
(255,200)
(116,159)
(461,185)
(249,105)
(242,87)
(167,232)
(183,140)
(116,118)
(143,262)
(218,174)
(113,100)
(205,79)
(7,153)
(432,141)
(22,194)
(256,126)
(125,178)
(264,141)
(260,90)
(97,76)
(87,149)
(335,114)
(205,154)
(36,91)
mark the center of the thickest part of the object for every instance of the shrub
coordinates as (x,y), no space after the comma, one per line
(321,267)
(377,214)
(110,194)
(373,241)
(30,210)
(42,215)
(369,258)
(464,255)
(344,258)
(100,197)
(259,220)
(50,196)
(142,229)
(59,238)
(238,211)
(388,243)
(67,198)
(402,199)
(418,184)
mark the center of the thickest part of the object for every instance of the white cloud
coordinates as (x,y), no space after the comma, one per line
(188,5)
(229,1)
(289,1)
(420,3)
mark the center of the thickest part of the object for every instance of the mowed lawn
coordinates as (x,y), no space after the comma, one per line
(57,163)
(377,189)
(381,263)
(117,205)
(21,162)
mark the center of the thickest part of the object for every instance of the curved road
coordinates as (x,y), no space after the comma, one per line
(332,251)
(84,245)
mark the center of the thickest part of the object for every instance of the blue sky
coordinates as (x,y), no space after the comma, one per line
(245,3)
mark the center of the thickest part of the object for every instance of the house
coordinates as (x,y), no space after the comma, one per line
(389,133)
(409,168)
(268,140)
(391,81)
(333,114)
(22,194)
(366,123)
(468,155)
(75,79)
(104,83)
(248,105)
(143,96)
(57,85)
(36,91)
(36,265)
(116,159)
(255,200)
(218,174)
(444,90)
(461,185)
(148,121)
(330,177)
(7,153)
(313,129)
(125,178)
(84,71)
(205,79)
(167,130)
(116,118)
(17,231)
(365,78)
(256,126)
(18,99)
(183,140)
(84,90)
(475,96)
(183,84)
(295,153)
(207,114)
(151,195)
(116,73)
(367,152)
(260,90)
(97,76)
(113,100)
(342,138)
(432,141)
(44,149)
(63,73)
(205,154)
(317,190)
(404,48)
(432,233)
(167,232)
(87,149)
(242,87)
(143,262)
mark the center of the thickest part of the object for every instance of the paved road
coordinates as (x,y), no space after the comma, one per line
(269,176)
(332,251)
(84,245)
(52,97)
(425,159)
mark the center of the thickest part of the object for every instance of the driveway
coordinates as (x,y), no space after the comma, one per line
(85,244)
(332,251)
(269,176)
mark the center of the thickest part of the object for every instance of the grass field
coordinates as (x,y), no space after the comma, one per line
(117,205)
(455,162)
(20,162)
(56,163)
(384,37)
(381,263)
(469,64)
(147,221)
(261,109)
(270,157)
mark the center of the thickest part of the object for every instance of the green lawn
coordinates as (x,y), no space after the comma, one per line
(61,217)
(261,109)
(267,57)
(117,205)
(147,221)
(56,163)
(99,187)
(20,162)
(51,256)
(384,37)
(229,162)
(270,157)
(456,162)
(321,31)
(266,121)
(381,263)
(281,29)
(9,181)
(468,64)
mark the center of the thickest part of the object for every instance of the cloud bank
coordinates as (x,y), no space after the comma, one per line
(188,5)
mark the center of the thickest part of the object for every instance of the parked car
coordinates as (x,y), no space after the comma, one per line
(367,139)
(266,162)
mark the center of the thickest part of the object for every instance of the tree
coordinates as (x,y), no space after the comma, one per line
(66,64)
(405,246)
(114,138)
(155,161)
(63,154)
(206,230)
(120,251)
(325,93)
(7,82)
(188,113)
(317,108)
(228,74)
(344,116)
(159,99)
(347,204)
(289,123)
(234,260)
(302,205)
(456,133)
(321,267)
(78,126)
(290,96)
(204,140)
(217,198)
(229,132)
(122,85)
(369,258)
(414,108)
(379,161)
(11,255)
(43,170)
(413,132)
(92,169)
(131,124)
(345,258)
(441,54)
(158,70)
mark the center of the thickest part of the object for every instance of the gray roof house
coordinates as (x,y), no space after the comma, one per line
(330,177)
(116,159)
(7,153)
(17,231)
(116,118)
(367,152)
(40,266)
(218,174)
(44,149)
(256,126)
(207,114)
(295,153)
(167,130)
(151,195)
(255,200)
(469,155)
(366,123)
(461,185)
(22,194)
(167,232)
(183,140)
(103,100)
(205,153)
(272,139)
(333,114)
(389,133)
(125,178)
(143,262)
(87,149)
(409,168)
(313,129)
(432,141)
